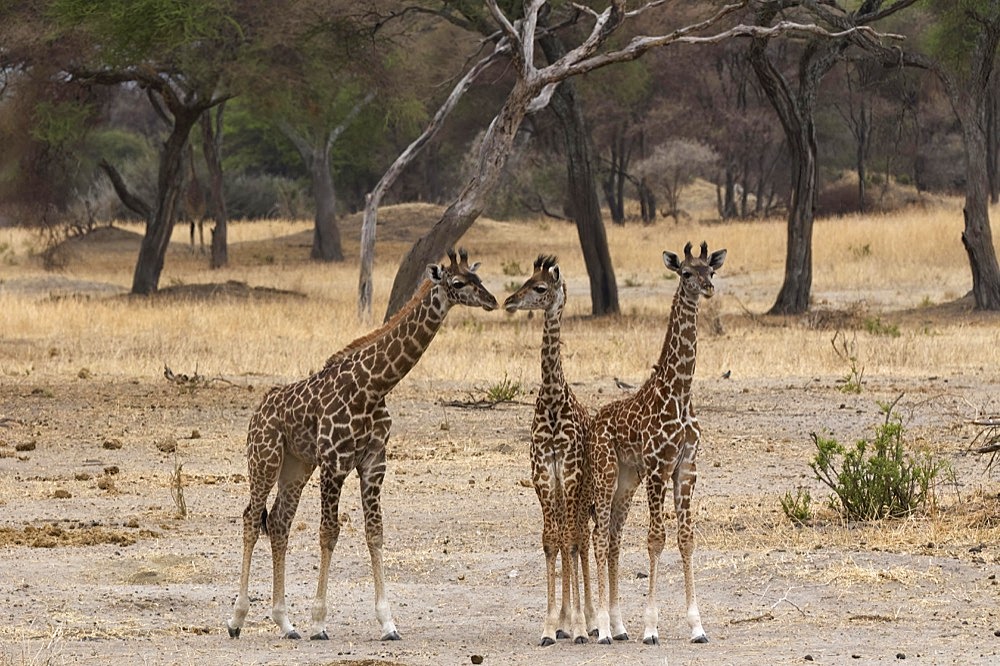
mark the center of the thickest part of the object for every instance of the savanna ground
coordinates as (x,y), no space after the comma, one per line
(98,448)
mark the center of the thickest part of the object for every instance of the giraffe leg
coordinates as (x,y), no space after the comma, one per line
(627,483)
(572,538)
(589,614)
(263,474)
(372,472)
(544,482)
(331,483)
(685,477)
(604,488)
(292,479)
(655,492)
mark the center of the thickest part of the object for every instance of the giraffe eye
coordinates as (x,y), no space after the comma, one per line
(541,288)
(458,283)
(686,274)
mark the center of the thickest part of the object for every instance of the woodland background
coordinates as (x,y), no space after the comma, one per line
(215,110)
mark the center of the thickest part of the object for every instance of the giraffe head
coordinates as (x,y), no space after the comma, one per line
(696,272)
(543,290)
(459,283)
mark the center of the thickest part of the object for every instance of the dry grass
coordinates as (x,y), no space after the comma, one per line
(897,268)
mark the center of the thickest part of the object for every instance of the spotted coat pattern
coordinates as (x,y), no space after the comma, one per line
(337,420)
(559,464)
(652,436)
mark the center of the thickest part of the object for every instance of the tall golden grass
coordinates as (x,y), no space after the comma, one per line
(883,270)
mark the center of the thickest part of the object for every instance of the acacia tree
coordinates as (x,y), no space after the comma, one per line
(531,90)
(967,38)
(313,93)
(177,53)
(795,107)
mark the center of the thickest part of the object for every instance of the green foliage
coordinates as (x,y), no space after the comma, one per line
(876,326)
(797,507)
(59,123)
(876,479)
(848,353)
(503,391)
(511,268)
(129,30)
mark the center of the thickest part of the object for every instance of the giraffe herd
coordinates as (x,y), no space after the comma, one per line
(583,467)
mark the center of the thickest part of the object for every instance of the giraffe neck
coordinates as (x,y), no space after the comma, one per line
(553,379)
(390,352)
(680,345)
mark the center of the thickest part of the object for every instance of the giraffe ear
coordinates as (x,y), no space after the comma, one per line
(475,267)
(671,262)
(715,261)
(554,272)
(435,273)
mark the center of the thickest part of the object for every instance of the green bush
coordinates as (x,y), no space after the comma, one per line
(877,479)
(505,390)
(797,507)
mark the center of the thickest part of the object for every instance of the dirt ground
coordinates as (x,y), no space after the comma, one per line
(97,567)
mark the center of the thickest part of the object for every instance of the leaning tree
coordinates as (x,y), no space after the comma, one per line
(532,90)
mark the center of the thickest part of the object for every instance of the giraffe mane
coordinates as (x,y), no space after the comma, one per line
(368,338)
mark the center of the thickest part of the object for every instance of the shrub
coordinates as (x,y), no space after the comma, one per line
(797,507)
(504,390)
(877,479)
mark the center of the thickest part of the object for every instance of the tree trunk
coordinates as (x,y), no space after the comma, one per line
(585,205)
(170,182)
(211,140)
(977,236)
(326,234)
(373,199)
(614,185)
(462,212)
(796,113)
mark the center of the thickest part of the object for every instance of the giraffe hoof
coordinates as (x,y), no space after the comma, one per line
(700,639)
(293,635)
(392,636)
(546,641)
(580,640)
(321,636)
(651,640)
(622,636)
(604,641)
(233,632)
(561,634)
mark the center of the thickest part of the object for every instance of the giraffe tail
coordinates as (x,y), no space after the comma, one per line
(263,521)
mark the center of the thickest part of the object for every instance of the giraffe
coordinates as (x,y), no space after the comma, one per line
(337,420)
(558,461)
(652,435)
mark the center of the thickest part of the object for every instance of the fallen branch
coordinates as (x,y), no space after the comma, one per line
(191,381)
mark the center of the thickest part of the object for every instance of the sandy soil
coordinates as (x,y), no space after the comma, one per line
(98,567)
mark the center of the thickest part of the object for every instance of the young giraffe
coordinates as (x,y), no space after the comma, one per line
(653,435)
(558,461)
(337,420)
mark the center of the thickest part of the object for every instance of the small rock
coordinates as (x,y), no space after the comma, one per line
(25,446)
(112,444)
(195,434)
(111,470)
(855,656)
(84,373)
(477,658)
(168,445)
(900,655)
(61,494)
(808,657)
(997,633)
